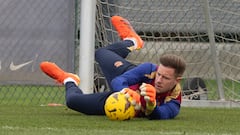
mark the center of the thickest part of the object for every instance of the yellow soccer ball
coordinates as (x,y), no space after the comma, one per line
(118,107)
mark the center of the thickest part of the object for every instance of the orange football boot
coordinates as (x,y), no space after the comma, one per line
(55,72)
(126,32)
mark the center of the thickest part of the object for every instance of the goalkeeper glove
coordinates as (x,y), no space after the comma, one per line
(135,97)
(149,94)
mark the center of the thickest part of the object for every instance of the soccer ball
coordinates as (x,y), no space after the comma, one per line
(118,107)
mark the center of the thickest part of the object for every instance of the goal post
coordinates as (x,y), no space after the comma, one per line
(212,43)
(87,41)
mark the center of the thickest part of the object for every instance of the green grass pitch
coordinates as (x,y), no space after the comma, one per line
(45,120)
(21,113)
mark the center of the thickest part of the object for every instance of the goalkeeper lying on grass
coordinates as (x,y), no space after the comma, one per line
(155,89)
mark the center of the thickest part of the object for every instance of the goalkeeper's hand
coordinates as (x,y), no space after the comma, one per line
(149,94)
(135,97)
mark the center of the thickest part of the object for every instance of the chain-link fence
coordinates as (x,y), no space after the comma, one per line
(32,32)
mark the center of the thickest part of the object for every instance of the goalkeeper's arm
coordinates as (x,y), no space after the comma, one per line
(168,110)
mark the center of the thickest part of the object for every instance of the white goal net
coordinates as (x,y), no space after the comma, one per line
(206,33)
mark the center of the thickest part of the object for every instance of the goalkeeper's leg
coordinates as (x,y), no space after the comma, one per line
(111,59)
(75,99)
(90,104)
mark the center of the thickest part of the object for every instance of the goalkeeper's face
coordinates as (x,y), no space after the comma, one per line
(165,79)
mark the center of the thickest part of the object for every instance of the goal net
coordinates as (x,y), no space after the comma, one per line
(205,33)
